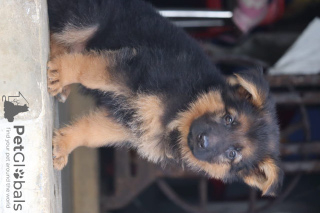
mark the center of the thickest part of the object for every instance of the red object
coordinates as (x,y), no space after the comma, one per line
(211,32)
(214,4)
(218,189)
(275,11)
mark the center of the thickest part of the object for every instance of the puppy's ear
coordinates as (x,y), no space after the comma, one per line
(268,177)
(252,86)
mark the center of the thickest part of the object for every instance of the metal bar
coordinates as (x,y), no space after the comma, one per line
(203,192)
(309,98)
(195,14)
(252,200)
(291,129)
(281,197)
(198,23)
(294,80)
(176,199)
(300,148)
(123,164)
(305,166)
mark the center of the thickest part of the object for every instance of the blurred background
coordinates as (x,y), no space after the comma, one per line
(282,37)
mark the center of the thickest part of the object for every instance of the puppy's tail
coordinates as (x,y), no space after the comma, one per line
(73,22)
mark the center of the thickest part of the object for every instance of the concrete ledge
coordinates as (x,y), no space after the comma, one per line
(28,182)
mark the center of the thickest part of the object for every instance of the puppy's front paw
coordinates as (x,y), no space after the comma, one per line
(60,150)
(54,77)
(58,83)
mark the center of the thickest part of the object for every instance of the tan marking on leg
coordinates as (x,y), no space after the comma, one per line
(56,48)
(150,110)
(90,69)
(75,38)
(93,130)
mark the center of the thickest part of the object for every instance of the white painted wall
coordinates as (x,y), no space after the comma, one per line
(24,48)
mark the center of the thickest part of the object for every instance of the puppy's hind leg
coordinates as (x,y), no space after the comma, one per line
(94,130)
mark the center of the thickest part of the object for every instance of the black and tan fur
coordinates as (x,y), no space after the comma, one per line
(157,91)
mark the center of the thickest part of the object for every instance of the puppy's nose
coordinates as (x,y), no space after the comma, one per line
(203,141)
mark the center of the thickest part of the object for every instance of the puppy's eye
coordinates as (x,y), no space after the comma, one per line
(228,119)
(232,154)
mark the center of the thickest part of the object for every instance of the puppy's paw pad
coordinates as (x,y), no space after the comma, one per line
(59,163)
(59,144)
(59,149)
(54,77)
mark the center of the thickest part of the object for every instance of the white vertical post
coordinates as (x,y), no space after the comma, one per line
(28,182)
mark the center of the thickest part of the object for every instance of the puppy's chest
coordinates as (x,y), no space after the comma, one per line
(149,110)
(148,126)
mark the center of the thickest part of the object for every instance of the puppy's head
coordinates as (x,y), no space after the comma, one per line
(232,133)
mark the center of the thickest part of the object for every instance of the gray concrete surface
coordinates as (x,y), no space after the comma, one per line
(28,182)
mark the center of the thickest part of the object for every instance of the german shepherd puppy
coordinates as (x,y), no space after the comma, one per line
(157,91)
